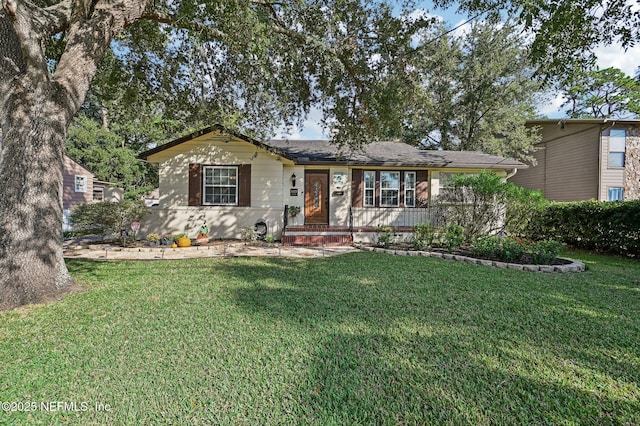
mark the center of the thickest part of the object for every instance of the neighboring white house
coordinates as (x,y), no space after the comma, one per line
(230,181)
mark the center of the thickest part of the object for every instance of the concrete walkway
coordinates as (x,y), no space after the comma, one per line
(90,249)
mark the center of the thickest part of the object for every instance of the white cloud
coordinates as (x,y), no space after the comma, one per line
(615,56)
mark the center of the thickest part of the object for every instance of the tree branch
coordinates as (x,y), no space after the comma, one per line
(163,18)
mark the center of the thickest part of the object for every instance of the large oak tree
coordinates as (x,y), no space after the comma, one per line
(269,60)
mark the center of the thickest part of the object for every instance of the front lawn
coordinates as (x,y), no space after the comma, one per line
(364,338)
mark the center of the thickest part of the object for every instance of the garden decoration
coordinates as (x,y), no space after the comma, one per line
(203,235)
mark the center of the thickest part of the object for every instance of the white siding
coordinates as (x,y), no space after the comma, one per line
(267,188)
(610,177)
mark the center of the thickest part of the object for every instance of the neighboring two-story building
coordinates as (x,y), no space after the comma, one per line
(584,159)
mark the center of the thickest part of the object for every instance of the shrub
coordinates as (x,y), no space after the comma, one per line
(248,233)
(423,236)
(108,217)
(384,236)
(544,252)
(487,246)
(612,227)
(453,237)
(511,250)
(483,204)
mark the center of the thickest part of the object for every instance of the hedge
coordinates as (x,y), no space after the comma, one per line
(610,227)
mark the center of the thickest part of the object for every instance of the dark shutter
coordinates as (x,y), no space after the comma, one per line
(422,187)
(376,200)
(195,184)
(401,189)
(357,185)
(244,185)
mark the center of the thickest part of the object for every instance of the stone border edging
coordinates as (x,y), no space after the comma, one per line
(574,266)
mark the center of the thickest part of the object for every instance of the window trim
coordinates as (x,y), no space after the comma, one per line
(372,189)
(205,186)
(410,189)
(624,152)
(84,183)
(391,189)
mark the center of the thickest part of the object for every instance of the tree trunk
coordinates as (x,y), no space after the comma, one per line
(32,267)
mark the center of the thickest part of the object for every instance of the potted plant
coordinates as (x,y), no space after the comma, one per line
(294,210)
(153,239)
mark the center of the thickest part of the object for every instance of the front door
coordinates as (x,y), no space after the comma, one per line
(316,197)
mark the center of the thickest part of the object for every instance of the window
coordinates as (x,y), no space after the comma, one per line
(389,189)
(220,185)
(616,194)
(81,183)
(410,189)
(369,188)
(98,194)
(617,142)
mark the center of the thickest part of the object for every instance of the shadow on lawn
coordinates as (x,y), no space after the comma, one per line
(426,345)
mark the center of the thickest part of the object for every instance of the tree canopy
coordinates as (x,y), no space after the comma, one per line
(601,93)
(475,92)
(565,32)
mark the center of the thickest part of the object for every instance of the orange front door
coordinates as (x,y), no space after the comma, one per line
(316,197)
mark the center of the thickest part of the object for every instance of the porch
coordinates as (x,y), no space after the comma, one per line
(363,222)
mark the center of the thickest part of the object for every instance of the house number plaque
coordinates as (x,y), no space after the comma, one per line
(293,192)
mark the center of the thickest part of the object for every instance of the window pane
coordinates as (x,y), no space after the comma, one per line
(389,197)
(368,197)
(616,145)
(616,194)
(220,185)
(410,180)
(390,180)
(369,180)
(410,198)
(616,159)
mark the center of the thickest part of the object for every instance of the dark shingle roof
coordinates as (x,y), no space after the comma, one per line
(322,152)
(386,154)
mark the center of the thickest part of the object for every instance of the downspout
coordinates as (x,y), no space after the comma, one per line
(510,175)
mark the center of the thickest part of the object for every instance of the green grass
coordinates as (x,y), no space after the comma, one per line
(364,338)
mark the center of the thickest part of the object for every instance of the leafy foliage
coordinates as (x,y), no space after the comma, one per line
(513,250)
(384,236)
(564,32)
(483,203)
(453,237)
(475,92)
(106,155)
(108,217)
(601,93)
(612,227)
(544,252)
(423,236)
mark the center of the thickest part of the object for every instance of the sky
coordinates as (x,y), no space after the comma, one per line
(608,56)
